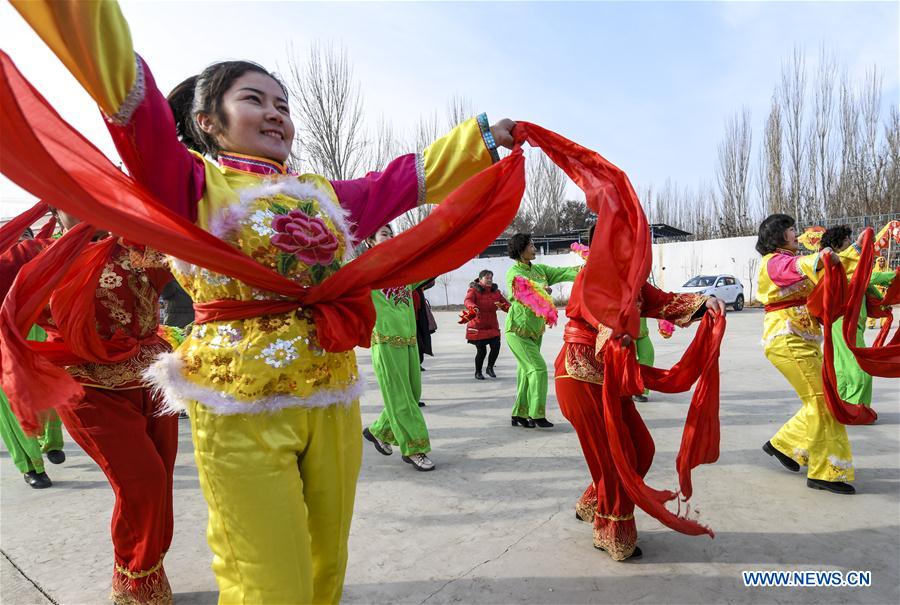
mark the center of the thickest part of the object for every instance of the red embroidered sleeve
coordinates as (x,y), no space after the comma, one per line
(680,309)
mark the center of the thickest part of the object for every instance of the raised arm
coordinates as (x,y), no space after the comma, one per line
(811,265)
(417,178)
(93,41)
(556,275)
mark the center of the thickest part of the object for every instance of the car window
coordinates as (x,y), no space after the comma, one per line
(721,282)
(701,281)
(729,281)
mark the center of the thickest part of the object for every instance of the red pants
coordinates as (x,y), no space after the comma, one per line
(581,404)
(136,451)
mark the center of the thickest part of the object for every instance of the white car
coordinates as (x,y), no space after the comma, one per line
(726,287)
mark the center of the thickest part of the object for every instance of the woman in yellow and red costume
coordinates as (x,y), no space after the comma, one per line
(813,437)
(274,412)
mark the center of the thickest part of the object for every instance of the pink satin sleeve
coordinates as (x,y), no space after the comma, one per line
(153,155)
(379,197)
(783,270)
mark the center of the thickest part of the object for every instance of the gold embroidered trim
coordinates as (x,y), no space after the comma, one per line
(136,575)
(585,510)
(682,307)
(616,517)
(118,375)
(394,341)
(582,365)
(523,333)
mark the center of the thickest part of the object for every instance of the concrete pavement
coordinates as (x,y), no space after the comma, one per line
(495,522)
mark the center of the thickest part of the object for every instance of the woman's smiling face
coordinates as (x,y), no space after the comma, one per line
(257,118)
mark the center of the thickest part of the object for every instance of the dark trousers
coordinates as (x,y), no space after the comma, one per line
(482,350)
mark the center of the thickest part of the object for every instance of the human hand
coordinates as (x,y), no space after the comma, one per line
(828,255)
(715,305)
(502,133)
(625,339)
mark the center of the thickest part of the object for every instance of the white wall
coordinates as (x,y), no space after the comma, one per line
(677,262)
(673,264)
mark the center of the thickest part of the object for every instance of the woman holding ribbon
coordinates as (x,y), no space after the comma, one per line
(274,414)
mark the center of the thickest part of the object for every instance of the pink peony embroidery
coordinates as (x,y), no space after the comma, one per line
(306,237)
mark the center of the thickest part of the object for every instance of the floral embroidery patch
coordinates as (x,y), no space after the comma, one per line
(301,237)
(279,353)
(109,279)
(261,222)
(399,295)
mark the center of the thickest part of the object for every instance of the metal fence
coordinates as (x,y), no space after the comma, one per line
(858,223)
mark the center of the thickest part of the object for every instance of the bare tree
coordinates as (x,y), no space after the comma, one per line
(445,281)
(383,147)
(771,175)
(821,150)
(752,273)
(329,107)
(733,176)
(892,161)
(459,109)
(792,93)
(545,190)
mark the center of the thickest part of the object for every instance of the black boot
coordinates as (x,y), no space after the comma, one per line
(835,487)
(543,423)
(479,375)
(786,461)
(527,423)
(56,456)
(490,372)
(37,480)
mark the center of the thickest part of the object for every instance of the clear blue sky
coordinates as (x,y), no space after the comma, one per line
(647,84)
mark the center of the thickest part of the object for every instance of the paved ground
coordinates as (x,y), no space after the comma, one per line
(495,522)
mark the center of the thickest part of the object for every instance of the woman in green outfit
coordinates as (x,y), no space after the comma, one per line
(854,384)
(395,358)
(27,452)
(525,329)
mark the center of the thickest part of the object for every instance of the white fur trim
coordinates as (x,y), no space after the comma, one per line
(291,186)
(165,376)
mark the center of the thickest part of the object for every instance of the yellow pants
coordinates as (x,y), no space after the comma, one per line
(812,437)
(280,488)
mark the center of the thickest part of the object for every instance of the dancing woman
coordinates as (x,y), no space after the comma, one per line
(274,416)
(854,384)
(395,359)
(579,376)
(812,437)
(526,283)
(116,422)
(27,452)
(483,299)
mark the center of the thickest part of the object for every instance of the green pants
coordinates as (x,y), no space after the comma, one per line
(401,422)
(531,376)
(645,353)
(26,452)
(854,385)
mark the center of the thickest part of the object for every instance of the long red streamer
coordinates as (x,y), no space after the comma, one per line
(611,287)
(833,300)
(46,156)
